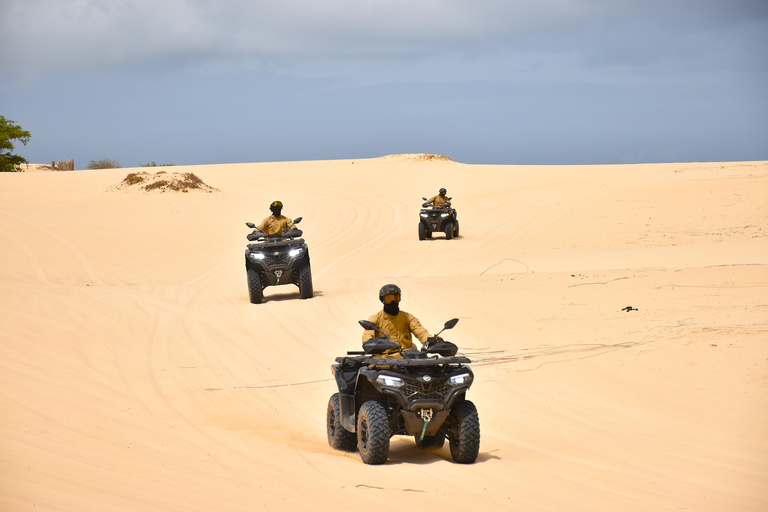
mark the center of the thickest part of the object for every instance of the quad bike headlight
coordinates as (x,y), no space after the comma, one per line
(390,381)
(256,256)
(460,380)
(294,252)
(443,214)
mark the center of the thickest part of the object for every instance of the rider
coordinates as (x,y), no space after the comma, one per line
(440,201)
(396,324)
(276,223)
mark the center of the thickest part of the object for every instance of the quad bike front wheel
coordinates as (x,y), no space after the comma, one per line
(373,433)
(339,438)
(448,230)
(422,231)
(254,287)
(305,282)
(464,435)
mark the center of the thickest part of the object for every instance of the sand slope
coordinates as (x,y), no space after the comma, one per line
(135,375)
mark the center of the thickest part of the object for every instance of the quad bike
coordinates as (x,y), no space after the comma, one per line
(277,260)
(433,219)
(421,394)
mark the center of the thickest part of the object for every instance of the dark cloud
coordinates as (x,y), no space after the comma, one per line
(39,37)
(495,81)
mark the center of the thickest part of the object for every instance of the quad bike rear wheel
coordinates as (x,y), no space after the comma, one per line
(464,435)
(339,438)
(373,433)
(456,229)
(254,287)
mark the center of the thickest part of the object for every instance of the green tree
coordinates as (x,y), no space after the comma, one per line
(10,131)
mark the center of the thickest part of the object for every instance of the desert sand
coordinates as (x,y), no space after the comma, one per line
(136,376)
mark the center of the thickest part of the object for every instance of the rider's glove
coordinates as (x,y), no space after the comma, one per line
(432,340)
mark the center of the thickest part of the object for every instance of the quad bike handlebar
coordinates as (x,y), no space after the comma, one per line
(434,345)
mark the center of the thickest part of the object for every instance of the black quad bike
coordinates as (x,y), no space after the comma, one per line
(277,260)
(422,394)
(433,219)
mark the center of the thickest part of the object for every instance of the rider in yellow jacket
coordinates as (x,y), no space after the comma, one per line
(398,325)
(276,223)
(440,200)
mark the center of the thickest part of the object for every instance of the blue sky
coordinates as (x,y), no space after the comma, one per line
(482,81)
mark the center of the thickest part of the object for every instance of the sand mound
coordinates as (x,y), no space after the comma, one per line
(418,157)
(161,182)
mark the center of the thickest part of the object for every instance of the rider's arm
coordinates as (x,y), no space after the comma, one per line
(367,335)
(263,225)
(370,334)
(417,329)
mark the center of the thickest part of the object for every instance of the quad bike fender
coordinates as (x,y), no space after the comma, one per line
(347,406)
(345,381)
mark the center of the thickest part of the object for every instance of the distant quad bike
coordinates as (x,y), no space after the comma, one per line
(421,395)
(433,219)
(277,260)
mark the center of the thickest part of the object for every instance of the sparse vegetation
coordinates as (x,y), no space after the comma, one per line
(419,157)
(105,163)
(157,185)
(10,131)
(189,181)
(153,164)
(133,179)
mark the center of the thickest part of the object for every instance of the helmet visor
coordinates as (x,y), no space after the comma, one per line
(391,297)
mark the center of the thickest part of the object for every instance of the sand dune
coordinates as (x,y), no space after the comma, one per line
(135,374)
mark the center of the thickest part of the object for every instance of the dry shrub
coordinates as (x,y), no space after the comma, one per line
(104,163)
(133,179)
(156,185)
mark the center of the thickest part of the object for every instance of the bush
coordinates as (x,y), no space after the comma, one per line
(133,179)
(105,163)
(153,164)
(10,131)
